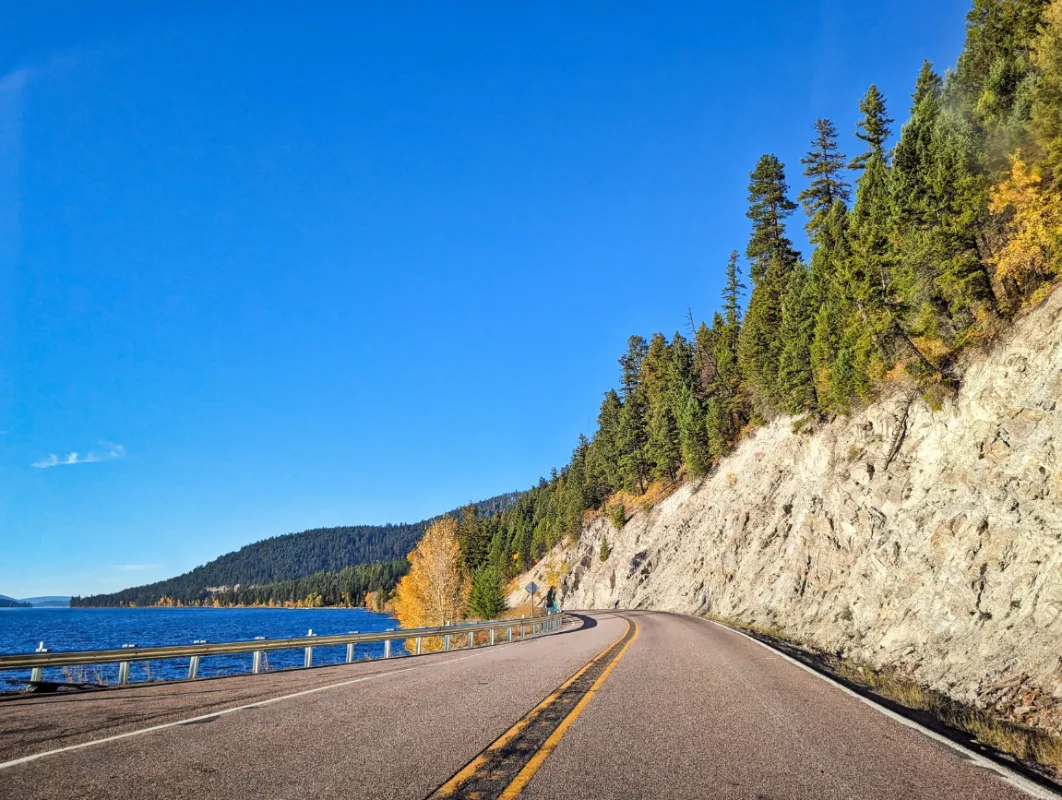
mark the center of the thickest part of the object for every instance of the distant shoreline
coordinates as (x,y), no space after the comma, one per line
(223,608)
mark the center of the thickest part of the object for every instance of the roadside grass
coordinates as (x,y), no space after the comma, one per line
(1037,749)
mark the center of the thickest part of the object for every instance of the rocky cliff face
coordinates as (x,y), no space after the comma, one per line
(928,541)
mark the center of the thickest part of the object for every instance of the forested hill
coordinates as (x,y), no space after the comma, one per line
(286,558)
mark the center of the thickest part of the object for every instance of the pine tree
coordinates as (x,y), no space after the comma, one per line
(632,431)
(771,259)
(912,159)
(732,291)
(693,435)
(474,538)
(823,166)
(631,365)
(633,437)
(995,79)
(1047,106)
(662,446)
(486,598)
(769,206)
(829,263)
(914,213)
(796,385)
(960,205)
(706,371)
(726,413)
(873,128)
(604,456)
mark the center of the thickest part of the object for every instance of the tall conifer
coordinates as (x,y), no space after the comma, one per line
(824,167)
(873,128)
(771,260)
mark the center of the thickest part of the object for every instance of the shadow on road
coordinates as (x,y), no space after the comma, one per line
(588,623)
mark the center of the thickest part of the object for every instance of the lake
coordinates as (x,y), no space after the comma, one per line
(22,630)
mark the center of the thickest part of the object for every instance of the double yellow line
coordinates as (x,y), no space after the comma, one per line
(532,766)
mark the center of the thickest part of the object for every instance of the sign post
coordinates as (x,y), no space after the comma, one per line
(531,589)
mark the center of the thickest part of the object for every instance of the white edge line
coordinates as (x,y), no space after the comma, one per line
(256,704)
(1009,776)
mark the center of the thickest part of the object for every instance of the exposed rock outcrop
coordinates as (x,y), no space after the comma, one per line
(928,541)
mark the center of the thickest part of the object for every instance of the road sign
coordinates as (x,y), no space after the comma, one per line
(531,588)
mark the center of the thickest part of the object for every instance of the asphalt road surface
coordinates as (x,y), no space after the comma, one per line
(623,705)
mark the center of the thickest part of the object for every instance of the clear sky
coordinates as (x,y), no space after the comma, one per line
(287,266)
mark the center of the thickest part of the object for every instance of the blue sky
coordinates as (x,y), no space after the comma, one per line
(264,270)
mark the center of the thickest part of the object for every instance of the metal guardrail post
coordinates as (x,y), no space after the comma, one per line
(35,673)
(446,643)
(123,667)
(193,662)
(492,637)
(307,659)
(471,639)
(510,633)
(387,648)
(350,648)
(418,645)
(256,659)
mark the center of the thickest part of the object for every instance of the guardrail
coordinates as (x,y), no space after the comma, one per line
(42,659)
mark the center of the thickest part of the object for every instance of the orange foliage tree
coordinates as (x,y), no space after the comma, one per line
(435,590)
(1033,230)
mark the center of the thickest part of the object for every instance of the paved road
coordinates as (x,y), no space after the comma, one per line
(630,705)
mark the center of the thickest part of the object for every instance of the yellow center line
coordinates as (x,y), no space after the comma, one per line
(448,788)
(528,772)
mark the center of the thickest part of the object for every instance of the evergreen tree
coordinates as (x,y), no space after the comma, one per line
(796,385)
(823,166)
(486,598)
(829,263)
(473,537)
(960,206)
(631,365)
(873,128)
(633,462)
(662,446)
(604,458)
(726,413)
(1047,107)
(914,214)
(732,291)
(632,431)
(706,370)
(693,435)
(995,79)
(771,259)
(769,206)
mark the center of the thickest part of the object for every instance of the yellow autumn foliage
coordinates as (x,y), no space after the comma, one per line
(435,590)
(1033,229)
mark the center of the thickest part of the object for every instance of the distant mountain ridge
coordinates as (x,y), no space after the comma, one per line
(49,601)
(287,557)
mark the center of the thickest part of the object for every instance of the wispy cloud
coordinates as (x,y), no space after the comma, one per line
(135,567)
(110,453)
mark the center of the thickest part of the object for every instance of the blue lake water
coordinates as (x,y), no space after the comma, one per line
(23,629)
